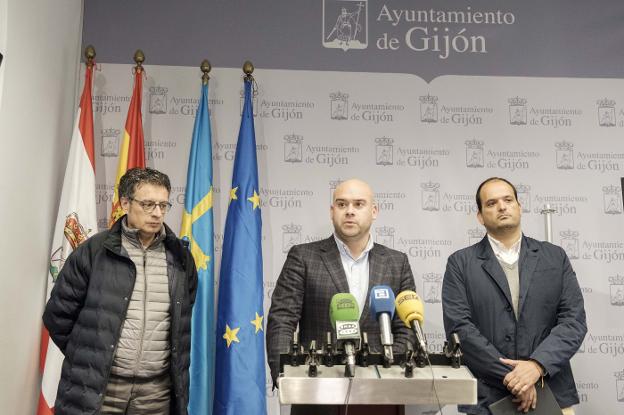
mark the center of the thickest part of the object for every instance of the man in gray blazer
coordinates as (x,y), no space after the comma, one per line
(516,305)
(347,261)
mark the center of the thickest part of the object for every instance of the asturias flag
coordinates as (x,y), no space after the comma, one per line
(75,222)
(197,228)
(132,150)
(240,383)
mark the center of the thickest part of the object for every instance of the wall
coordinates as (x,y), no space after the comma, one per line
(36,115)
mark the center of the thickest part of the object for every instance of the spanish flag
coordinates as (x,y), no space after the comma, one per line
(132,150)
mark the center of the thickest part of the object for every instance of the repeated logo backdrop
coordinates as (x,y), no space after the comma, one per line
(424,148)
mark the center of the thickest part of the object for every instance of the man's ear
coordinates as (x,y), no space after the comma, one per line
(125,204)
(480,218)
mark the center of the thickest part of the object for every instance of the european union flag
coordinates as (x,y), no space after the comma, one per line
(240,374)
(197,228)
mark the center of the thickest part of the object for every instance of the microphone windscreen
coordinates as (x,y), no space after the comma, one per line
(409,307)
(343,307)
(381,300)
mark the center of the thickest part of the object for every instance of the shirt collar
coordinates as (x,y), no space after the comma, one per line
(508,255)
(133,235)
(344,249)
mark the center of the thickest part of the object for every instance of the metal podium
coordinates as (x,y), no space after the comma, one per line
(376,385)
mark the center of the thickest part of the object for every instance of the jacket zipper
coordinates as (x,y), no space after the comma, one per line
(143,322)
(118,335)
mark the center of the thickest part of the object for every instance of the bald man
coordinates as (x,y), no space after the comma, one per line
(346,262)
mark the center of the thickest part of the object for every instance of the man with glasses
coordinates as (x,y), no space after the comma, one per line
(120,311)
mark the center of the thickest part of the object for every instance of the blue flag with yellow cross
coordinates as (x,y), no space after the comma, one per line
(240,383)
(197,228)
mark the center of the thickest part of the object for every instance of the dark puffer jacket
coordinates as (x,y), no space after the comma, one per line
(87,308)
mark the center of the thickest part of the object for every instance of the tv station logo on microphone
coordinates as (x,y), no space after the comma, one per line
(345,24)
(382,294)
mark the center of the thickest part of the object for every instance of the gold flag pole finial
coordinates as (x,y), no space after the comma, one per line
(89,54)
(248,69)
(139,58)
(205,68)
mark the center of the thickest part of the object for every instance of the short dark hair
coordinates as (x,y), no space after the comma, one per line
(137,176)
(493,179)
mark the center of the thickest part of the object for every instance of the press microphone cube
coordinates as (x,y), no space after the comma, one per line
(344,315)
(381,300)
(409,307)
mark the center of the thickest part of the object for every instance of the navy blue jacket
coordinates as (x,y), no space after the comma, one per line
(550,327)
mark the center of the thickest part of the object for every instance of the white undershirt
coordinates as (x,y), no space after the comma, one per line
(508,256)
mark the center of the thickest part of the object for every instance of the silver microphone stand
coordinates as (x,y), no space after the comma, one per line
(547,212)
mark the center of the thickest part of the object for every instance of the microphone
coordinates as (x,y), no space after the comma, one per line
(410,309)
(344,315)
(381,304)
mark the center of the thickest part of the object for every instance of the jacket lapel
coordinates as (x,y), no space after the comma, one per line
(528,261)
(331,259)
(493,268)
(376,267)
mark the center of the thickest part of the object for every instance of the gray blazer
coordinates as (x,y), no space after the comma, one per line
(311,275)
(550,327)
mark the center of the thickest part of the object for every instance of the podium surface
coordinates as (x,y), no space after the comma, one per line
(376,385)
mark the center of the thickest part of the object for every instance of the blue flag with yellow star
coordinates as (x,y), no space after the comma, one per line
(197,228)
(240,371)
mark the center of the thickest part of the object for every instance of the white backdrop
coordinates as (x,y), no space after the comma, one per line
(424,147)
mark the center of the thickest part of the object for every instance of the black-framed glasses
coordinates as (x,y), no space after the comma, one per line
(148,206)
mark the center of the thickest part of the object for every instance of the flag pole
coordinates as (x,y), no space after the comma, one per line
(248,69)
(89,54)
(205,68)
(139,58)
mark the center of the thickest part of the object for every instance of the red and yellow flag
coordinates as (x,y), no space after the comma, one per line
(132,150)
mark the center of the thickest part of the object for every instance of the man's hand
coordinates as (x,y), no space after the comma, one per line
(526,400)
(523,375)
